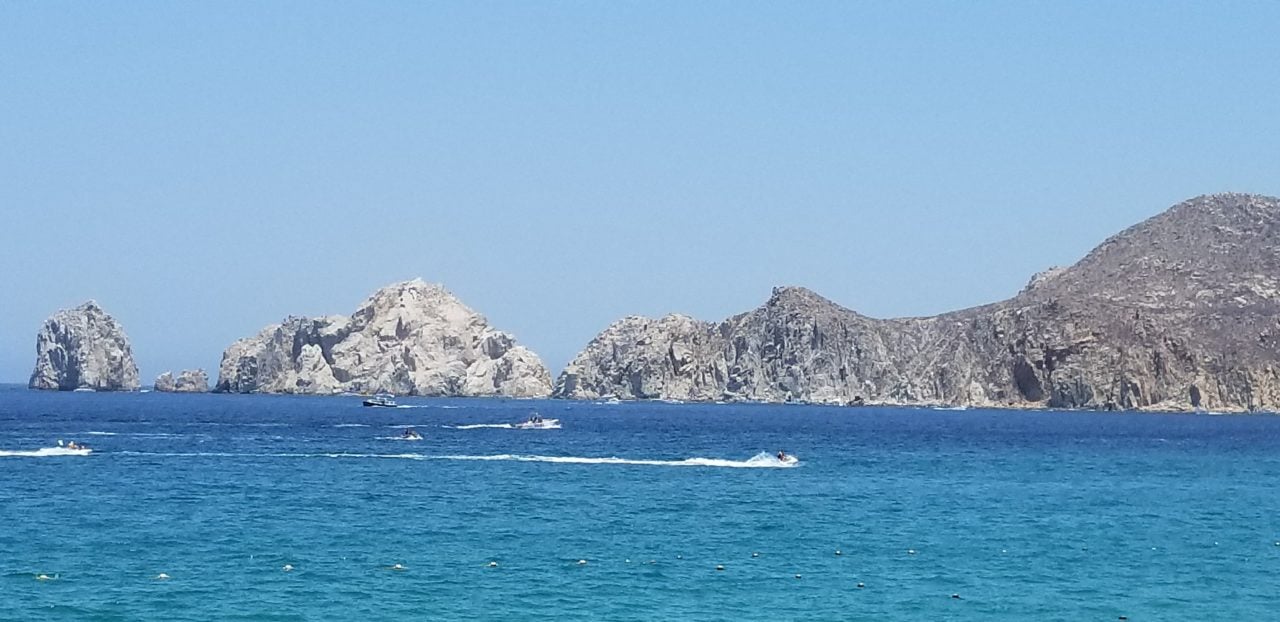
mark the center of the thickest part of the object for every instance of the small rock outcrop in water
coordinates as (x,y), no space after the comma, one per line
(83,348)
(189,381)
(1179,312)
(410,338)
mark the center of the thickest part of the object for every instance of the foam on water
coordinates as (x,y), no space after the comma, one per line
(762,460)
(131,434)
(351,425)
(228,454)
(481,426)
(256,424)
(44,452)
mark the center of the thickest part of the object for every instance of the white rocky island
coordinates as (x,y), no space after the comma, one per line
(188,381)
(83,348)
(409,338)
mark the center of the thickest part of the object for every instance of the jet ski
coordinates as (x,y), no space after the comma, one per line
(383,401)
(410,434)
(536,422)
(786,458)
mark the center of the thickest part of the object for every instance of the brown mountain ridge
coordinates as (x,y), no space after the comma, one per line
(1178,312)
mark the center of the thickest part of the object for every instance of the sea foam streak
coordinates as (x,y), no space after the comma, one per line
(45,452)
(761,460)
(220,454)
(478,426)
(131,434)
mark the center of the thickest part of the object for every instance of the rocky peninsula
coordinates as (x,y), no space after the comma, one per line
(83,348)
(409,338)
(1179,312)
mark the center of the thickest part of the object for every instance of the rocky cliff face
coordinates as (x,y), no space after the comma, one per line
(410,338)
(1179,312)
(188,381)
(83,348)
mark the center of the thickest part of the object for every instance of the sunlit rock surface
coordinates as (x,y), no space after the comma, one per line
(83,348)
(1179,312)
(410,338)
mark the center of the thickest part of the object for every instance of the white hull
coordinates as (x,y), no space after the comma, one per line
(545,424)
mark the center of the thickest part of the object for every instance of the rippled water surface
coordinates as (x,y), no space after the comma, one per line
(1023,515)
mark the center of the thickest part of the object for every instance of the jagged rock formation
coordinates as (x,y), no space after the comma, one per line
(1179,312)
(83,348)
(188,381)
(409,338)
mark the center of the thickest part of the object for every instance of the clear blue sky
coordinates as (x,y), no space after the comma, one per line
(205,169)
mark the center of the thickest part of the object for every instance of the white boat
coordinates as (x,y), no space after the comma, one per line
(384,401)
(67,449)
(536,422)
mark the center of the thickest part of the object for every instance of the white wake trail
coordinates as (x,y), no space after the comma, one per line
(761,460)
(44,452)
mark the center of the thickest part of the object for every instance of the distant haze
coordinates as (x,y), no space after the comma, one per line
(205,169)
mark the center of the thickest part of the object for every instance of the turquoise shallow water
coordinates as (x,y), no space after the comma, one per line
(1024,515)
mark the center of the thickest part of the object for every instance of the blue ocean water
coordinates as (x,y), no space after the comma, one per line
(1023,515)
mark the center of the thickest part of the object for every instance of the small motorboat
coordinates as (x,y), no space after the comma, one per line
(383,401)
(71,448)
(536,422)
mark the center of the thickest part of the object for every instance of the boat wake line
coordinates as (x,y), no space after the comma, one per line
(761,460)
(44,452)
